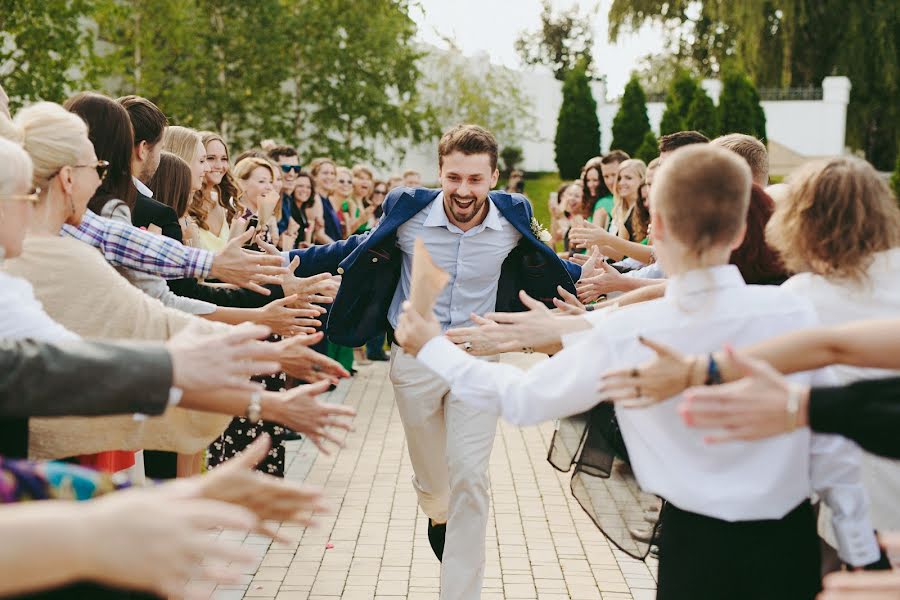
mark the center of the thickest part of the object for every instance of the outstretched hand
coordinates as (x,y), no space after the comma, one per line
(668,374)
(750,408)
(238,482)
(414,331)
(203,361)
(247,269)
(300,361)
(300,409)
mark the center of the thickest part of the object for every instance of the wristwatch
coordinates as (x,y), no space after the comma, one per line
(254,409)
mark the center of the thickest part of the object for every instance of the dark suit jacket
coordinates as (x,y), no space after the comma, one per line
(147,211)
(81,378)
(370,264)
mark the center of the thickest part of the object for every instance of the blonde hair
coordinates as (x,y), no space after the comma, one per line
(362,171)
(182,142)
(52,136)
(16,169)
(316,165)
(702,192)
(620,214)
(835,216)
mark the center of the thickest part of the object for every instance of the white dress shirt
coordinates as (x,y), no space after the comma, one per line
(737,481)
(141,187)
(472,259)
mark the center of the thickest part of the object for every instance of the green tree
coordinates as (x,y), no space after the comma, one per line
(46,49)
(702,115)
(649,148)
(739,106)
(631,124)
(791,43)
(511,156)
(562,41)
(577,128)
(678,102)
(356,77)
(454,92)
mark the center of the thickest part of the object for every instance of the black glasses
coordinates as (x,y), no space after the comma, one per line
(288,168)
(33,196)
(382,192)
(102,167)
(345,181)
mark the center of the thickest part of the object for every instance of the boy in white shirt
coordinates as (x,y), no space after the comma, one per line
(738,520)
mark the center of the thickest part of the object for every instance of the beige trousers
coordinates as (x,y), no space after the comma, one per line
(449,446)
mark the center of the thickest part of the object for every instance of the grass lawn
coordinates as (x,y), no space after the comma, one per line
(538,190)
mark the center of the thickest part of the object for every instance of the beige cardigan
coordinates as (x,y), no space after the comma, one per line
(80,290)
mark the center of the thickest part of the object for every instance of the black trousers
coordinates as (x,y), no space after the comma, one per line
(702,558)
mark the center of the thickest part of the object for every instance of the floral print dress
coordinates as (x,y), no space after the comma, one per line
(241,432)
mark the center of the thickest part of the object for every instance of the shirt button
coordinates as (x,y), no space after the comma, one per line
(374,260)
(340,270)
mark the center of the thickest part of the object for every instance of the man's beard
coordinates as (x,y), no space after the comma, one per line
(470,211)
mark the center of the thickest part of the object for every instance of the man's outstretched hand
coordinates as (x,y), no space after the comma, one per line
(245,268)
(414,330)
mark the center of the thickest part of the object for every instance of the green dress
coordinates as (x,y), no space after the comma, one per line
(606,203)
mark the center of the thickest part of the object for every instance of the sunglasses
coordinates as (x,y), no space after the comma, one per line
(345,181)
(102,167)
(382,192)
(288,168)
(32,196)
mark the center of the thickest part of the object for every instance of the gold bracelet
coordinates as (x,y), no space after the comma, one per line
(792,408)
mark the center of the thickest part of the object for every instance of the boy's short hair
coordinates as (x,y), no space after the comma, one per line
(679,139)
(702,193)
(750,149)
(468,139)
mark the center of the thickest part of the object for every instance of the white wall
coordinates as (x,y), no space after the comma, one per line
(807,127)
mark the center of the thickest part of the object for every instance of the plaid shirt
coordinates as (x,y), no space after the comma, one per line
(126,246)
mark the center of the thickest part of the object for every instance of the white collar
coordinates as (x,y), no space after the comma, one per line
(141,187)
(699,281)
(437,216)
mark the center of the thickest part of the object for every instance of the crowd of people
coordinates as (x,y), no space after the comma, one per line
(163,333)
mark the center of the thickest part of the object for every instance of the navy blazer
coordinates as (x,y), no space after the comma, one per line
(370,265)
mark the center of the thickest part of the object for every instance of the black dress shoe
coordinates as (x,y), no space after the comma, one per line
(378,357)
(436,535)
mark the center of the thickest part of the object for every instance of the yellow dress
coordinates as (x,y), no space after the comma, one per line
(212,242)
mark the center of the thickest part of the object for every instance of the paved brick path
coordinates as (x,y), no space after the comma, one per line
(540,544)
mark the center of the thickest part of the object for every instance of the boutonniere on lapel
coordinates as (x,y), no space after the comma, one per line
(539,232)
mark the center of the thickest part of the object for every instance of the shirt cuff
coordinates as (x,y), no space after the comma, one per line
(202,260)
(285,258)
(830,410)
(174,398)
(443,357)
(857,545)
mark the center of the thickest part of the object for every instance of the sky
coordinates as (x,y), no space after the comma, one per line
(492,26)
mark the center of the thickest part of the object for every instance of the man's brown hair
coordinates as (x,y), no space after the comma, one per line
(147,120)
(702,194)
(750,149)
(679,139)
(614,156)
(468,139)
(837,214)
